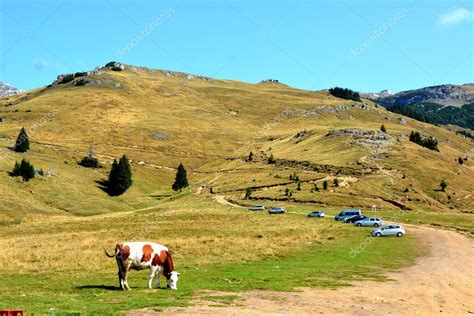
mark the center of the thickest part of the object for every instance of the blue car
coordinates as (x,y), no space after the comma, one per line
(257,208)
(316,214)
(277,210)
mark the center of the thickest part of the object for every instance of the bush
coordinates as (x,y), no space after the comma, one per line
(343,93)
(90,162)
(24,170)
(299,186)
(383,129)
(336,182)
(428,142)
(460,161)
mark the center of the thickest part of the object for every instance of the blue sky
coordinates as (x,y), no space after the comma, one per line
(363,45)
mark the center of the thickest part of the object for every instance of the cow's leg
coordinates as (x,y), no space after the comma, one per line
(121,274)
(126,271)
(158,273)
(152,275)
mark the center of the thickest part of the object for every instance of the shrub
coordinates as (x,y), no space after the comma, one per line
(336,182)
(383,129)
(325,184)
(460,161)
(299,186)
(428,142)
(89,160)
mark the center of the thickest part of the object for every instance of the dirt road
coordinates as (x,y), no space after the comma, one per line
(440,283)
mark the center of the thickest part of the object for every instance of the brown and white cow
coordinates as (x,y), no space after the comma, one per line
(144,255)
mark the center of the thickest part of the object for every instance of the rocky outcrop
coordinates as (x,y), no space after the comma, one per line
(363,137)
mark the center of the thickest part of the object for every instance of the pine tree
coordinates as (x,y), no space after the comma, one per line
(443,185)
(250,156)
(27,171)
(23,169)
(299,186)
(325,184)
(383,129)
(22,142)
(248,193)
(181,180)
(120,176)
(271,159)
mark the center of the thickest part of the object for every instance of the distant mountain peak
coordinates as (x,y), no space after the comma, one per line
(8,90)
(377,95)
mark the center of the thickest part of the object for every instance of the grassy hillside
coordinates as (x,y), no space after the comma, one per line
(162,118)
(53,228)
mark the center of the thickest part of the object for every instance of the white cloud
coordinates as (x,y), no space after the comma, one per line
(454,17)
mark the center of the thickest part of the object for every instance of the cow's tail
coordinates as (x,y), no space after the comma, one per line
(109,255)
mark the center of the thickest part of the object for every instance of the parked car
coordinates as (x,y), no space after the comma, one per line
(355,218)
(316,214)
(257,208)
(277,210)
(369,221)
(346,213)
(388,230)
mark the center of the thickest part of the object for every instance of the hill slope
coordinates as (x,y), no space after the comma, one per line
(161,118)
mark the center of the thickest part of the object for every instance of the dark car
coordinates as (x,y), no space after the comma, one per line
(277,210)
(354,218)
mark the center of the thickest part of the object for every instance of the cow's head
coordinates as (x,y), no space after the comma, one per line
(172,280)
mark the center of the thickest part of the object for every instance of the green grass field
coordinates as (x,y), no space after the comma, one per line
(59,266)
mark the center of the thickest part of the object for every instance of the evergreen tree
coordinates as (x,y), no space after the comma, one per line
(271,159)
(22,142)
(250,156)
(336,182)
(23,169)
(120,176)
(27,171)
(443,185)
(248,193)
(383,129)
(325,184)
(287,192)
(299,186)
(181,180)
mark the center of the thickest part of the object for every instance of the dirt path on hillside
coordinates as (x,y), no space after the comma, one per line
(440,282)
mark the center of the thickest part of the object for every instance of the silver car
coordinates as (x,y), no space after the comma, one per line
(369,221)
(388,230)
